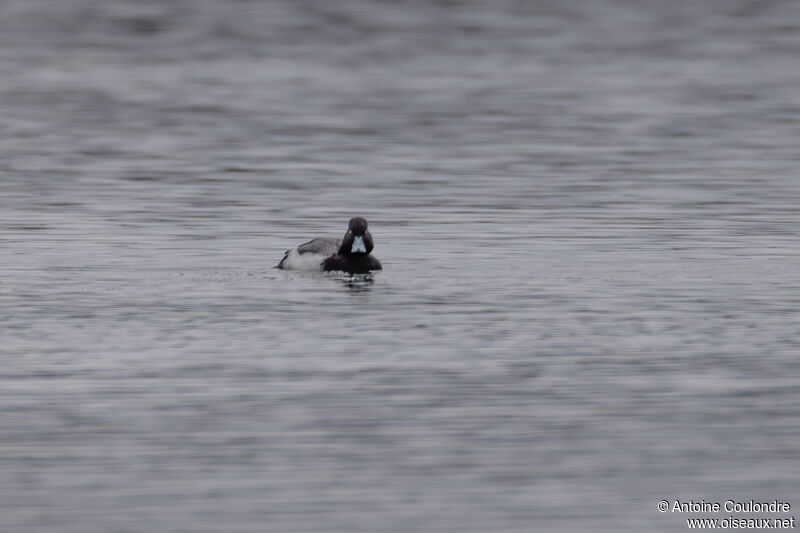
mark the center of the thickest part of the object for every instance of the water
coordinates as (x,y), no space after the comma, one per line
(587,215)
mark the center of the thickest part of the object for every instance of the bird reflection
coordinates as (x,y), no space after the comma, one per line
(357,282)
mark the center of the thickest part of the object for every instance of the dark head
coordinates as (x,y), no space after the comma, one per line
(357,240)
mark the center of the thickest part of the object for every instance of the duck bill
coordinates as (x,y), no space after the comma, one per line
(358,246)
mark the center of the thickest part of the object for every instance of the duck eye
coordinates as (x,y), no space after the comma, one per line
(349,232)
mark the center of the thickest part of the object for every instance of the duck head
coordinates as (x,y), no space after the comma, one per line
(357,240)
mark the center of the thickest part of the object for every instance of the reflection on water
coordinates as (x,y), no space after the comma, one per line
(586,216)
(357,282)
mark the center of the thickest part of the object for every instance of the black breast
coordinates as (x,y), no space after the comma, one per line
(353,264)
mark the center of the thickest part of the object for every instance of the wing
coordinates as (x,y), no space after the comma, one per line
(315,247)
(321,246)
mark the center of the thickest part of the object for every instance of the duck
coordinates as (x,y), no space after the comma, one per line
(351,254)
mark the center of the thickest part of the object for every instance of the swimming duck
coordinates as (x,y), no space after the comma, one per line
(350,254)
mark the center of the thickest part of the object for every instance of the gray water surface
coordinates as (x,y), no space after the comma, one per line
(588,218)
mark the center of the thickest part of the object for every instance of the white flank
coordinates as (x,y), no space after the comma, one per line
(306,261)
